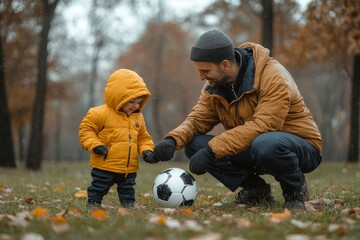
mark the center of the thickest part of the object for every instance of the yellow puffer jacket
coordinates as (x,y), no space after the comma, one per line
(272,103)
(125,136)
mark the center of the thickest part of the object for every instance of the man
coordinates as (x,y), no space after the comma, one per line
(268,128)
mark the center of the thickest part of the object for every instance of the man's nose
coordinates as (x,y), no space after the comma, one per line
(202,76)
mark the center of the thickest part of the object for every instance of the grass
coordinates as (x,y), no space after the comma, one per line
(54,188)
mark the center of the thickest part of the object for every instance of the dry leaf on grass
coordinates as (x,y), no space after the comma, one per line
(58,189)
(122,211)
(297,237)
(59,224)
(74,211)
(32,236)
(6,237)
(186,211)
(21,219)
(99,214)
(243,223)
(81,194)
(174,223)
(40,213)
(279,217)
(210,236)
(353,212)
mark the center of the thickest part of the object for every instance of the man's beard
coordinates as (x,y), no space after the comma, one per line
(214,82)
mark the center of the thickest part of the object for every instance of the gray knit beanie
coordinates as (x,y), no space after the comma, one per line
(212,46)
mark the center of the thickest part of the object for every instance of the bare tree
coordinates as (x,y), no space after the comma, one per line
(7,156)
(35,149)
(267,24)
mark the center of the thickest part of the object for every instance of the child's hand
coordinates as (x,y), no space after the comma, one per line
(101,150)
(148,157)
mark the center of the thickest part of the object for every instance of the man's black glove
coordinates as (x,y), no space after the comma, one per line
(201,160)
(101,150)
(148,156)
(165,149)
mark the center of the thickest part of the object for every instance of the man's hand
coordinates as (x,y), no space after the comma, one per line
(148,157)
(201,160)
(165,149)
(101,150)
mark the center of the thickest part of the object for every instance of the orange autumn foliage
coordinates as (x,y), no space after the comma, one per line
(58,220)
(99,214)
(279,217)
(187,211)
(40,213)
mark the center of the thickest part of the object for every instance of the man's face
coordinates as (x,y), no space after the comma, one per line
(211,72)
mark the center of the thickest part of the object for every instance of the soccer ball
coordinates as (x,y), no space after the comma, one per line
(175,187)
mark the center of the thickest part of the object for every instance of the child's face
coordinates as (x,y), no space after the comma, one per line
(132,105)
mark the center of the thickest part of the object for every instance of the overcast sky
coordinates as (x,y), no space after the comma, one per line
(76,14)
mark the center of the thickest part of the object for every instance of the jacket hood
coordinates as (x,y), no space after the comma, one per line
(124,85)
(261,56)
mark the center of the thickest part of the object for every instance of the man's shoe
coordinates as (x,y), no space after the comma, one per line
(294,201)
(93,206)
(305,192)
(255,196)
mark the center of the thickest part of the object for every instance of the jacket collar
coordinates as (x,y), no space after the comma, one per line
(245,78)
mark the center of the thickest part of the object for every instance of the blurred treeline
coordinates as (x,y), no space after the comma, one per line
(52,75)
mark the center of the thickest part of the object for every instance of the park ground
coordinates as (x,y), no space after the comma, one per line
(50,204)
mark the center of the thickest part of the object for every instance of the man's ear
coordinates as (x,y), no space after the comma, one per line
(225,65)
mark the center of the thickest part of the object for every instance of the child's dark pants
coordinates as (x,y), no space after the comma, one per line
(102,181)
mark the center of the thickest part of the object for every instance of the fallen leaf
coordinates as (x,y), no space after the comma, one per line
(243,223)
(310,207)
(32,236)
(60,227)
(187,211)
(210,236)
(58,189)
(300,224)
(297,237)
(58,219)
(59,224)
(5,236)
(40,213)
(169,210)
(192,225)
(99,214)
(206,202)
(279,217)
(21,219)
(81,194)
(353,212)
(29,200)
(161,220)
(122,211)
(74,211)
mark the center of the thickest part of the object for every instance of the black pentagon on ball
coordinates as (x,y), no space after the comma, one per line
(187,178)
(187,202)
(163,192)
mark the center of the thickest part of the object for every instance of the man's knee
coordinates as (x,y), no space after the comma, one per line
(264,148)
(271,152)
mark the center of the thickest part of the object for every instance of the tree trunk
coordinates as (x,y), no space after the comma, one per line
(7,154)
(267,27)
(353,154)
(35,149)
(157,80)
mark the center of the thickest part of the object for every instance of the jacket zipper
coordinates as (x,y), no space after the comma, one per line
(233,91)
(129,154)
